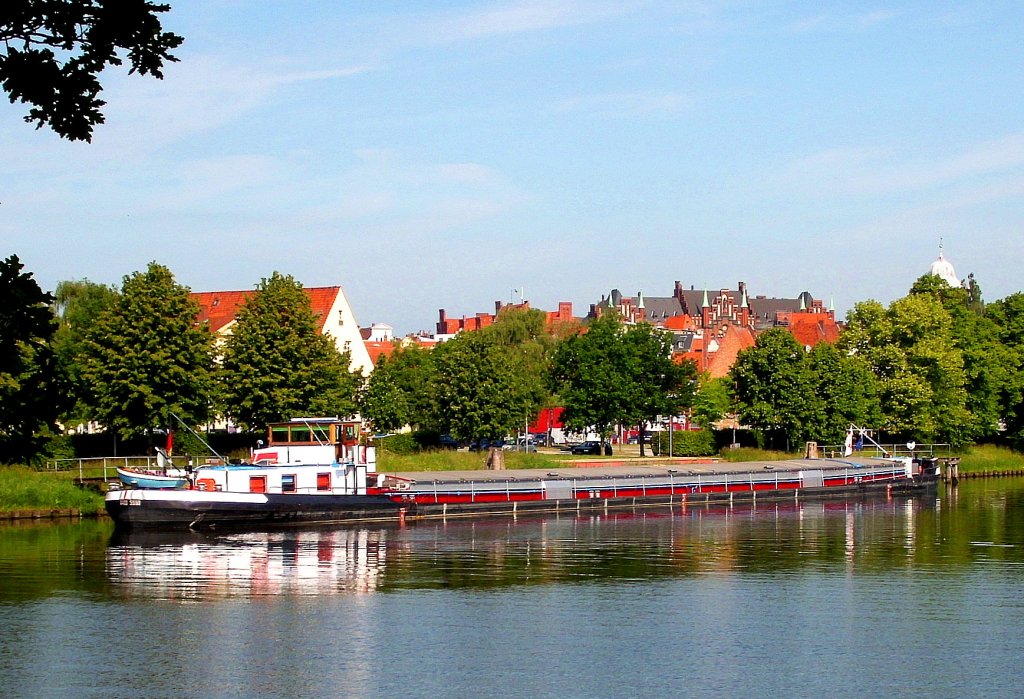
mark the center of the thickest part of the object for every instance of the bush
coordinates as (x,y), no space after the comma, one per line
(685,443)
(403,443)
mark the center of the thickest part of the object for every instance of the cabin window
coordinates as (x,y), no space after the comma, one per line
(323,481)
(287,482)
(321,434)
(279,435)
(300,434)
(257,484)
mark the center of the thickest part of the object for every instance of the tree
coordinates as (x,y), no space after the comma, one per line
(491,382)
(54,50)
(30,391)
(1007,316)
(712,401)
(77,305)
(847,390)
(586,376)
(775,387)
(382,400)
(147,358)
(614,375)
(278,365)
(657,384)
(911,348)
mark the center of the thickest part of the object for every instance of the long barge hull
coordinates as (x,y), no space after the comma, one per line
(495,494)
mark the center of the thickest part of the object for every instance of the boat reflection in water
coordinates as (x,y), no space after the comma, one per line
(192,566)
(642,544)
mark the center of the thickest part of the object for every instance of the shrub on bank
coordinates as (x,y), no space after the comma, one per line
(684,443)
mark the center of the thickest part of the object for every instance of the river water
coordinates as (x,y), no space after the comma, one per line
(900,597)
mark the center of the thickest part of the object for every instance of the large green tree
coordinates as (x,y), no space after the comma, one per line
(30,392)
(1008,317)
(912,350)
(382,400)
(775,387)
(986,363)
(492,382)
(617,375)
(77,305)
(147,358)
(278,365)
(53,51)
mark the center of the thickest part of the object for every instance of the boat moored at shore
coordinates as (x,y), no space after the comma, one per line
(258,496)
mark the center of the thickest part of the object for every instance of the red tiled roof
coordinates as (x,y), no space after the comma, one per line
(376,350)
(811,328)
(219,308)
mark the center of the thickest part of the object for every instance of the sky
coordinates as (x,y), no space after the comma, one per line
(428,155)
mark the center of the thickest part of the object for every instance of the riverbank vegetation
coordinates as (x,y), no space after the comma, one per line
(988,458)
(23,488)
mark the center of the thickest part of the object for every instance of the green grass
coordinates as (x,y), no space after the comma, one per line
(25,489)
(448,460)
(986,457)
(752,454)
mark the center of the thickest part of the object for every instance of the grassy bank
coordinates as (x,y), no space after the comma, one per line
(989,458)
(450,460)
(24,489)
(752,454)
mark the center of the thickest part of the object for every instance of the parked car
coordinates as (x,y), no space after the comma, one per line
(446,441)
(527,445)
(591,446)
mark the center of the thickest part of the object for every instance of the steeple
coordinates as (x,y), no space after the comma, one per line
(640,300)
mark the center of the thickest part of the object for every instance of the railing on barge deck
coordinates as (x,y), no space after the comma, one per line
(838,451)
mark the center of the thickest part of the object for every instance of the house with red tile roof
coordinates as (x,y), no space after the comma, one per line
(330,306)
(711,328)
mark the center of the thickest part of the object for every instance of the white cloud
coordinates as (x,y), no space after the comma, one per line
(520,17)
(863,172)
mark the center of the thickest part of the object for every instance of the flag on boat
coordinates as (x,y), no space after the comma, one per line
(170,442)
(849,443)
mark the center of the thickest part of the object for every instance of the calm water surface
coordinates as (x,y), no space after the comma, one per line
(903,597)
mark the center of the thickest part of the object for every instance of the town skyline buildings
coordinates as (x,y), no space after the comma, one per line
(442,156)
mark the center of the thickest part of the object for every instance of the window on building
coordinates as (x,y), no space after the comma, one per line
(341,317)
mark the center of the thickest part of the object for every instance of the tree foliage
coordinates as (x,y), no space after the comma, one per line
(53,51)
(77,306)
(382,400)
(147,358)
(277,364)
(30,391)
(912,350)
(614,375)
(489,383)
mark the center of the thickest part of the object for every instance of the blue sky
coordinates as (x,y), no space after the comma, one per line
(441,154)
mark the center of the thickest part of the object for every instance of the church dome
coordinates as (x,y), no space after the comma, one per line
(944,268)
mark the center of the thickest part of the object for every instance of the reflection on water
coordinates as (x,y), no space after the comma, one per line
(981,522)
(863,536)
(192,566)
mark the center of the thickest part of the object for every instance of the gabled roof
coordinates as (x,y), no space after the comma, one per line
(220,308)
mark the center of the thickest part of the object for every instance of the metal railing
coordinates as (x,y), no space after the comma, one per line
(833,451)
(102,466)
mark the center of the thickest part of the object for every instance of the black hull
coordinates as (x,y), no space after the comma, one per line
(279,510)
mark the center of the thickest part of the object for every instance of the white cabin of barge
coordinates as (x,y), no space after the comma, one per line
(315,440)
